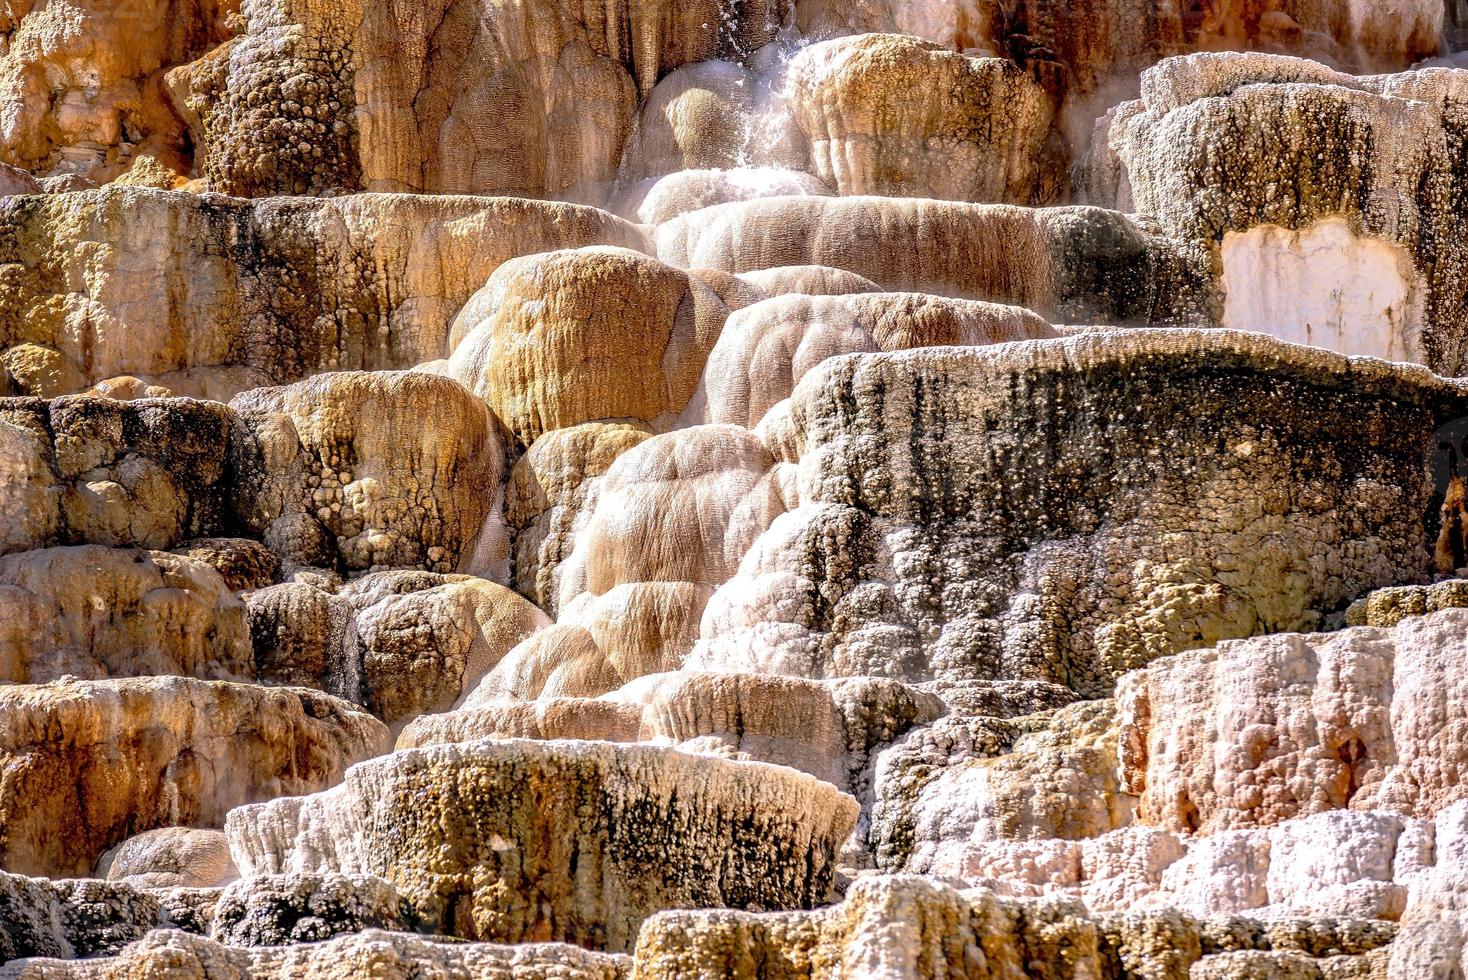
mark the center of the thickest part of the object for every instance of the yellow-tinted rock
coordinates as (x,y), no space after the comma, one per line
(346,456)
(371,952)
(590,334)
(210,299)
(81,84)
(89,763)
(97,612)
(890,114)
(607,835)
(170,857)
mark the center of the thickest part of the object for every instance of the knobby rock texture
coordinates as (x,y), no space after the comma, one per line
(733,488)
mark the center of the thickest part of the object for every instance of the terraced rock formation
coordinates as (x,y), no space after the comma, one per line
(733,488)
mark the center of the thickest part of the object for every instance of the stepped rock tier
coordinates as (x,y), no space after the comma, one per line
(466,831)
(772,489)
(961,534)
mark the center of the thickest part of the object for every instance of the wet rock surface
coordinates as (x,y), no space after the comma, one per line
(733,488)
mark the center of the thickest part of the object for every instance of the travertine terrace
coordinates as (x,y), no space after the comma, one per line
(784,489)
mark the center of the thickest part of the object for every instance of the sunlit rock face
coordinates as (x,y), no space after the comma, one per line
(733,488)
(989,553)
(888,114)
(1337,865)
(682,507)
(694,190)
(1385,608)
(905,926)
(1087,56)
(808,280)
(549,496)
(1075,265)
(601,835)
(1311,789)
(1385,746)
(283,97)
(1324,287)
(1364,252)
(399,643)
(765,349)
(82,85)
(1105,43)
(333,477)
(146,474)
(461,97)
(978,797)
(827,729)
(664,526)
(102,612)
(90,763)
(713,115)
(586,335)
(207,299)
(370,952)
